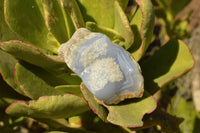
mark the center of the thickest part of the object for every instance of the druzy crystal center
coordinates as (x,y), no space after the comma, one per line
(103,71)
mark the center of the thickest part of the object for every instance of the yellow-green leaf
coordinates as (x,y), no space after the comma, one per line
(72,8)
(122,26)
(142,25)
(7,67)
(49,107)
(26,19)
(59,23)
(100,11)
(170,62)
(31,54)
(36,82)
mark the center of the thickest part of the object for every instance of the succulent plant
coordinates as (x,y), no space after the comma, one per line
(37,83)
(167,14)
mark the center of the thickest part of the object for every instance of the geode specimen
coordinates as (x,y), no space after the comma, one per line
(107,70)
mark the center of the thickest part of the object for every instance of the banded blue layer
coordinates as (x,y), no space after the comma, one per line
(107,70)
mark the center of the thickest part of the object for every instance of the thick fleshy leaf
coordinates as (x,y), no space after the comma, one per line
(36,82)
(5,32)
(122,26)
(102,13)
(49,107)
(7,66)
(72,7)
(142,25)
(92,122)
(167,12)
(71,89)
(168,123)
(8,95)
(112,34)
(170,62)
(70,78)
(98,109)
(26,19)
(31,54)
(181,108)
(59,23)
(130,112)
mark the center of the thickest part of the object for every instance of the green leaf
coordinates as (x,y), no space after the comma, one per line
(177,6)
(59,23)
(49,107)
(168,123)
(163,3)
(8,95)
(98,109)
(170,62)
(142,25)
(36,82)
(101,13)
(7,91)
(112,34)
(185,109)
(71,89)
(72,7)
(92,122)
(31,54)
(180,29)
(69,78)
(123,4)
(130,112)
(5,32)
(26,19)
(7,66)
(122,26)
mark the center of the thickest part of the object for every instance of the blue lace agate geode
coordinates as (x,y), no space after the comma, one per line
(107,70)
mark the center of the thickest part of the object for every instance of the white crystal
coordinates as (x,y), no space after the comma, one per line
(107,70)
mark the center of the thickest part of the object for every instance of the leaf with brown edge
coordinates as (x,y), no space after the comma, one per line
(36,82)
(58,22)
(7,66)
(71,7)
(31,54)
(98,109)
(168,63)
(8,94)
(49,107)
(142,25)
(128,113)
(122,26)
(27,21)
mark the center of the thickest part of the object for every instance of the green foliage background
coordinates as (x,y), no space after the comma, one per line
(36,83)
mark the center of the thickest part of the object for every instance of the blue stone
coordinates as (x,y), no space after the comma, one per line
(107,70)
